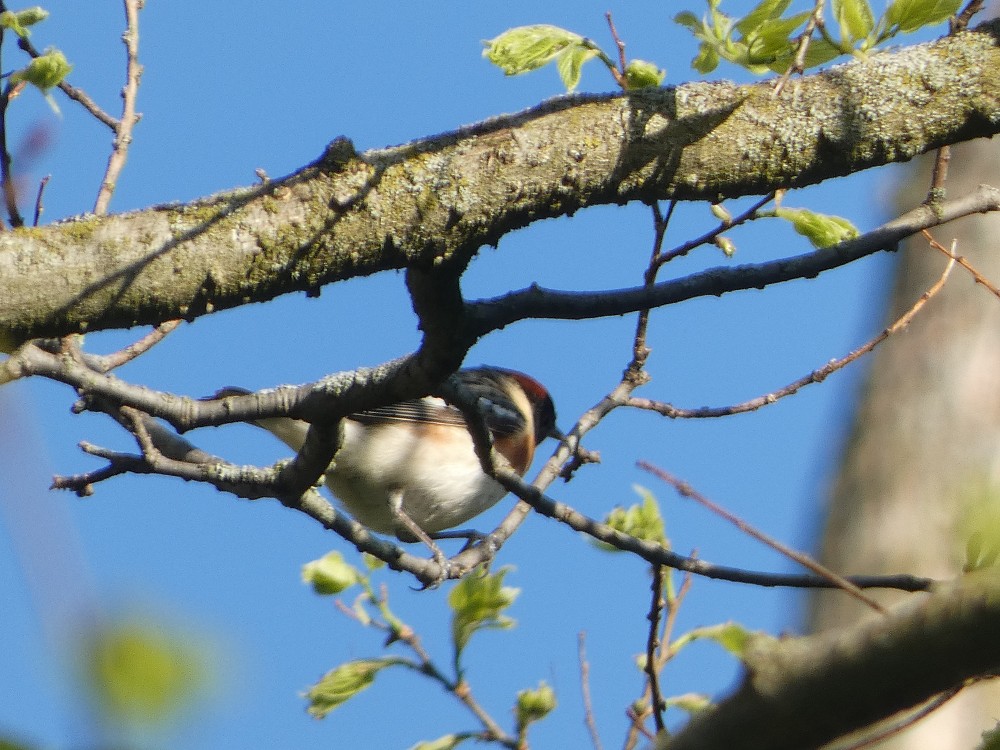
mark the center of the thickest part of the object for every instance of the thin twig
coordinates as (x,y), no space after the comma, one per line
(961,21)
(963,262)
(588,706)
(117,359)
(123,128)
(798,64)
(39,208)
(816,376)
(673,608)
(686,490)
(640,350)
(653,645)
(74,93)
(10,91)
(711,235)
(253,482)
(664,654)
(618,43)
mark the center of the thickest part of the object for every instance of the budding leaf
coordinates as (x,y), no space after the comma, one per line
(477,603)
(642,520)
(732,636)
(528,48)
(692,703)
(45,71)
(726,245)
(19,21)
(721,213)
(822,230)
(570,62)
(343,683)
(640,74)
(447,742)
(330,574)
(533,705)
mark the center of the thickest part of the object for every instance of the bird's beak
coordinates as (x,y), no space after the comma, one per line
(556,433)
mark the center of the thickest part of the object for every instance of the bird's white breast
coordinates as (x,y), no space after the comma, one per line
(434,466)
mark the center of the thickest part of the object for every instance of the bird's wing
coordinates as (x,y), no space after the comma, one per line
(502,416)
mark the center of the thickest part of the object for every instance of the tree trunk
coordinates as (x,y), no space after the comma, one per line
(926,438)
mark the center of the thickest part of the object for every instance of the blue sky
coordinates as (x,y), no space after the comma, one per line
(226,92)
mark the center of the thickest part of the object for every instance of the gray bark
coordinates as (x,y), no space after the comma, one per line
(926,440)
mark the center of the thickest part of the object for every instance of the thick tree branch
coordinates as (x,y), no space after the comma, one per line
(801,693)
(438,200)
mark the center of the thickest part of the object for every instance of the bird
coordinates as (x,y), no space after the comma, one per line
(410,469)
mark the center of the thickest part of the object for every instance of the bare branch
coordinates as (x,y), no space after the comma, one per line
(798,64)
(686,490)
(76,94)
(658,555)
(123,127)
(653,645)
(496,313)
(964,263)
(588,706)
(816,376)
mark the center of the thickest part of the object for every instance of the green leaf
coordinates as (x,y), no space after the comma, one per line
(19,21)
(139,674)
(910,15)
(341,684)
(45,71)
(570,61)
(526,48)
(768,10)
(642,520)
(534,705)
(640,74)
(477,603)
(773,39)
(706,60)
(822,230)
(819,52)
(733,637)
(688,19)
(854,17)
(330,574)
